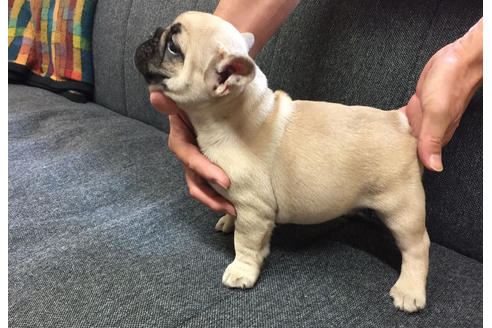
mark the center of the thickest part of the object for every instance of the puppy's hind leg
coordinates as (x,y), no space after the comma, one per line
(403,212)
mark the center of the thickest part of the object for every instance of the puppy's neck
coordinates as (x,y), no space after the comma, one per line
(240,115)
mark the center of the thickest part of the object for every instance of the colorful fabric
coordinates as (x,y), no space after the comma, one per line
(52,40)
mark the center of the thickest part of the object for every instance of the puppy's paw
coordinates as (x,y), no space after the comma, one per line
(225,224)
(406,297)
(240,275)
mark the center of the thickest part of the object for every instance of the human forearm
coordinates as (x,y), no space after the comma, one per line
(471,49)
(260,17)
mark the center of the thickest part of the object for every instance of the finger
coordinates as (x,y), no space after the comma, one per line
(431,136)
(205,194)
(194,159)
(182,143)
(413,111)
(179,130)
(162,103)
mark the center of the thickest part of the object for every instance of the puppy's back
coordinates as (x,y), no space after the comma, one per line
(341,153)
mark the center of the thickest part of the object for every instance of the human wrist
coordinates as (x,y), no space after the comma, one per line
(262,18)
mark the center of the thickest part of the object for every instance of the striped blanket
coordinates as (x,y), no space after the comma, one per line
(50,45)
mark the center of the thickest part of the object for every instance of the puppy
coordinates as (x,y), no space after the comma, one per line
(302,162)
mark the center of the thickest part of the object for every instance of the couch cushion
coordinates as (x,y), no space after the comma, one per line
(103,233)
(108,39)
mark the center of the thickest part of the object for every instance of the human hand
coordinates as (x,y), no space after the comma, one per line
(443,92)
(198,169)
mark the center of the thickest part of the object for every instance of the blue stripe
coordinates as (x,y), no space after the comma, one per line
(50,26)
(86,33)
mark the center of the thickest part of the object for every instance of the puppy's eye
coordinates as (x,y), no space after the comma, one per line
(172,48)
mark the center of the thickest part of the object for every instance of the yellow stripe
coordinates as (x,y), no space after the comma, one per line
(77,61)
(29,31)
(11,34)
(14,12)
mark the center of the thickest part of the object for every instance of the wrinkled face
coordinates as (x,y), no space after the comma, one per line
(200,57)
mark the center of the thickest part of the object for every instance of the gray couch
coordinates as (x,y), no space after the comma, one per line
(102,231)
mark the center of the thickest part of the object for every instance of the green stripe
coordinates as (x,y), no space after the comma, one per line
(85,44)
(77,28)
(19,31)
(13,22)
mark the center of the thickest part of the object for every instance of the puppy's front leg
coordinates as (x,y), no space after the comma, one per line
(252,244)
(225,224)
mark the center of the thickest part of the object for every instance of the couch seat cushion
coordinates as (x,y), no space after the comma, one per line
(102,233)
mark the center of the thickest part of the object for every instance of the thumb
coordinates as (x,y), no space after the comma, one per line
(431,141)
(162,103)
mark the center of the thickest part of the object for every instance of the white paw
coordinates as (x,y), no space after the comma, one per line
(225,224)
(407,297)
(240,275)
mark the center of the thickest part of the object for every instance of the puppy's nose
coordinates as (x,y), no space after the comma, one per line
(147,50)
(158,33)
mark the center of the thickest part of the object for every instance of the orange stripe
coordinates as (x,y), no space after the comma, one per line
(77,60)
(54,37)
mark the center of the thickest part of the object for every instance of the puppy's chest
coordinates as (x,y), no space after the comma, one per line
(244,169)
(237,162)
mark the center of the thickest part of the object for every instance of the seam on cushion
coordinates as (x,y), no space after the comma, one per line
(457,252)
(125,44)
(451,247)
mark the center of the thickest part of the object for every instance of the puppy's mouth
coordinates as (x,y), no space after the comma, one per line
(155,78)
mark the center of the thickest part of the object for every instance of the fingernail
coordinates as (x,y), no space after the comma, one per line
(231,210)
(435,162)
(222,184)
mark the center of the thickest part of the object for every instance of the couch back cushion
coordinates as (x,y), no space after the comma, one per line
(355,52)
(119,27)
(108,42)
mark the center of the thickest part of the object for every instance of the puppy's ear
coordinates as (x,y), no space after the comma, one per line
(227,72)
(249,38)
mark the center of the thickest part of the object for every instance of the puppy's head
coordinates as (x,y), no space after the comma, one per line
(198,58)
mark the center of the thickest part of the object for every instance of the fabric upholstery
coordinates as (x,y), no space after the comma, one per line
(102,233)
(108,39)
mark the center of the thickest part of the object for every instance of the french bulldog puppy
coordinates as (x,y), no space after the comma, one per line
(302,162)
